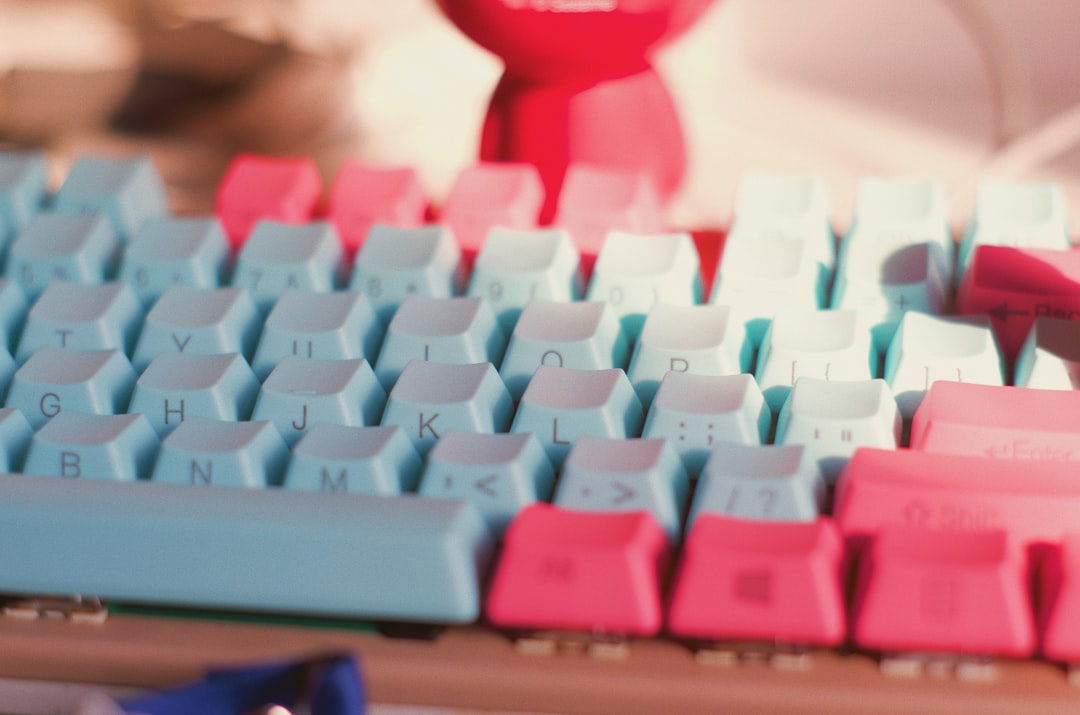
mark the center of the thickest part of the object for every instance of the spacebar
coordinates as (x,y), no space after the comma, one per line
(381,558)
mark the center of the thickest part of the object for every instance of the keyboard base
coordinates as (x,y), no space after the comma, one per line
(476,668)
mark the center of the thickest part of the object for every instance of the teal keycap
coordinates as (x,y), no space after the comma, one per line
(82,317)
(301,392)
(561,404)
(15,434)
(174,251)
(353,460)
(605,474)
(368,557)
(87,446)
(499,473)
(277,256)
(430,398)
(329,326)
(449,330)
(198,321)
(81,248)
(13,309)
(23,189)
(395,263)
(177,386)
(206,452)
(128,191)
(56,379)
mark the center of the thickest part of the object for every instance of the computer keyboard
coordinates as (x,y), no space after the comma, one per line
(581,467)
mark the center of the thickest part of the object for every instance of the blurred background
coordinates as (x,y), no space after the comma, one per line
(952,89)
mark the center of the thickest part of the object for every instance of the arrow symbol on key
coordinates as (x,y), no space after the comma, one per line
(482,485)
(625,493)
(1002,312)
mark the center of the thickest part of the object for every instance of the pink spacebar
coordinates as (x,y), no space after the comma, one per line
(1033,501)
(1001,422)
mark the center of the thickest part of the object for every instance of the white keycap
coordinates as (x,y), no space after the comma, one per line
(927,348)
(56,379)
(561,404)
(761,277)
(606,474)
(766,482)
(901,212)
(127,190)
(395,263)
(635,271)
(277,256)
(449,330)
(699,339)
(827,344)
(499,473)
(329,326)
(883,281)
(206,452)
(792,206)
(584,335)
(88,446)
(82,317)
(353,460)
(81,248)
(15,435)
(198,321)
(833,418)
(1024,215)
(697,412)
(514,267)
(303,391)
(167,251)
(175,387)
(430,398)
(1050,357)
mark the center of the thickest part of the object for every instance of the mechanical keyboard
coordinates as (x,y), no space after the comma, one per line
(598,465)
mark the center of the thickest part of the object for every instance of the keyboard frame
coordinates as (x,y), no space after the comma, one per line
(477,668)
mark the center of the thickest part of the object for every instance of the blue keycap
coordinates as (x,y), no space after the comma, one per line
(82,317)
(198,321)
(499,473)
(169,251)
(87,446)
(278,256)
(58,379)
(23,188)
(206,452)
(81,248)
(15,434)
(303,391)
(353,460)
(127,191)
(391,558)
(13,309)
(177,386)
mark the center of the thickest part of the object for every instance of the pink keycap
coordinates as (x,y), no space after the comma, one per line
(595,200)
(565,569)
(999,422)
(761,581)
(1034,501)
(492,194)
(1059,608)
(1016,285)
(363,196)
(263,187)
(952,591)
